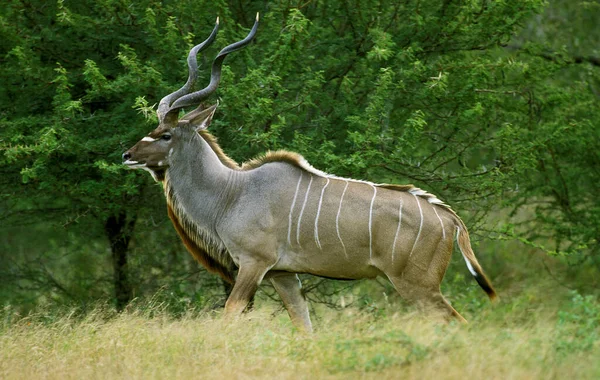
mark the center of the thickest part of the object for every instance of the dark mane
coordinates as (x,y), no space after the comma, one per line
(280,156)
(212,142)
(200,254)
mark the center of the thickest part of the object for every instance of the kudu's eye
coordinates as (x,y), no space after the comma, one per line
(166,137)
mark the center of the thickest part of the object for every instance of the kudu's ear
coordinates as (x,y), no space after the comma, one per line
(200,118)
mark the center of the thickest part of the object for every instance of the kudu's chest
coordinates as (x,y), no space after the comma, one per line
(204,245)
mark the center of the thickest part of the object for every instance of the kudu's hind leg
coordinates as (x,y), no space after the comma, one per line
(426,298)
(419,282)
(288,287)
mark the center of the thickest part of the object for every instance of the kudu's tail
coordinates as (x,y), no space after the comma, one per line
(464,244)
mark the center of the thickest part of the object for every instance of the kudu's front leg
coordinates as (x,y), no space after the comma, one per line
(250,275)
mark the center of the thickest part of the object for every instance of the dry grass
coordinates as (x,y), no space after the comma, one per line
(347,344)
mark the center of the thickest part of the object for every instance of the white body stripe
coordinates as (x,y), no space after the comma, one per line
(302,210)
(318,213)
(292,209)
(397,229)
(148,139)
(337,219)
(471,269)
(371,222)
(441,222)
(420,225)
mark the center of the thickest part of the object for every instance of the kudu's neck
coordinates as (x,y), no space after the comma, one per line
(202,185)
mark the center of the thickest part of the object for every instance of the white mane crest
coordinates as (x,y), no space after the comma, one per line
(428,196)
(304,164)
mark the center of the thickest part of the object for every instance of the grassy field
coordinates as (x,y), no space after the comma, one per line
(524,336)
(540,329)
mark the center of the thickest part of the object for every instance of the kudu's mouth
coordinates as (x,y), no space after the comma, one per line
(134,164)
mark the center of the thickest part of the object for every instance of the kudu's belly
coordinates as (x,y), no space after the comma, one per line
(327,264)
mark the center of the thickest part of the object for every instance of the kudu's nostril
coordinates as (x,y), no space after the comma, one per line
(126,156)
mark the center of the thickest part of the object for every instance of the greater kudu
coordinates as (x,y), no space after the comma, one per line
(276,216)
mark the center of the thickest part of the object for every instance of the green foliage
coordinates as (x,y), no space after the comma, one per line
(489,105)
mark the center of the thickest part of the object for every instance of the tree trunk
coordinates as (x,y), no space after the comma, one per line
(119,231)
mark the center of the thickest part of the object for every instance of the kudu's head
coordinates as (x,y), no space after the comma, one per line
(153,152)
